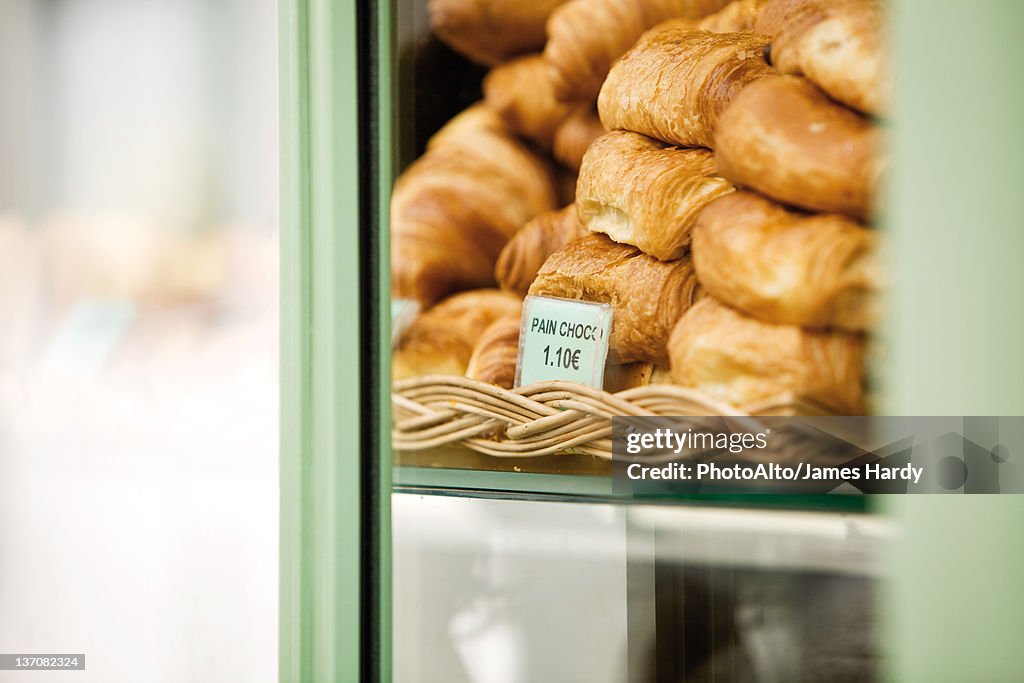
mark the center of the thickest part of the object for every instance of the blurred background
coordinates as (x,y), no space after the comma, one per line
(138,336)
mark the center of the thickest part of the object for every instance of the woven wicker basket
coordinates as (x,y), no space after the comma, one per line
(546,418)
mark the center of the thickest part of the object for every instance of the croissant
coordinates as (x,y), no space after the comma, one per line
(840,45)
(619,377)
(742,361)
(575,133)
(784,267)
(782,137)
(453,210)
(647,295)
(526,252)
(441,340)
(522,93)
(491,31)
(676,81)
(642,192)
(477,118)
(586,36)
(496,353)
(738,15)
(660,375)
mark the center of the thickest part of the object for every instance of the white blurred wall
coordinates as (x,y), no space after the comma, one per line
(138,337)
(162,109)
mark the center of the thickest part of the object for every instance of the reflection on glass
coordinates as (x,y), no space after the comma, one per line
(511,591)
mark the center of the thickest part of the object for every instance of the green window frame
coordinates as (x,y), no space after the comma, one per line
(335,610)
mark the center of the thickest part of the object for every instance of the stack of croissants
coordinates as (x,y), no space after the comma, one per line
(708,168)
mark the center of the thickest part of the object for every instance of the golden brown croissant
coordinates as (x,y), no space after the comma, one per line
(491,31)
(494,358)
(574,135)
(453,210)
(782,137)
(742,361)
(521,93)
(840,45)
(676,81)
(586,36)
(738,15)
(441,340)
(622,376)
(642,192)
(477,118)
(526,252)
(661,375)
(786,267)
(647,295)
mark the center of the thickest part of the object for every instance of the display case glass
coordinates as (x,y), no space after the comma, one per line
(523,590)
(434,67)
(539,569)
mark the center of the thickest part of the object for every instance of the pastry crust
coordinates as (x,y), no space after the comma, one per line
(491,31)
(453,210)
(619,377)
(477,118)
(742,361)
(647,295)
(521,93)
(782,137)
(674,84)
(739,15)
(840,45)
(586,36)
(440,341)
(526,252)
(496,353)
(785,267)
(642,192)
(575,134)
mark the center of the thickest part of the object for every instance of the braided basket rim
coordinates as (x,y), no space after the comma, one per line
(545,418)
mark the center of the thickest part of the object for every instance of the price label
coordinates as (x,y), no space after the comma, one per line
(563,339)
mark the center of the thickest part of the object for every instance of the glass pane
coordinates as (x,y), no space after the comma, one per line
(496,109)
(516,590)
(497,590)
(138,352)
(514,563)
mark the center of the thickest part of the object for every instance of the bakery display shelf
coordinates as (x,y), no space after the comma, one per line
(457,436)
(409,476)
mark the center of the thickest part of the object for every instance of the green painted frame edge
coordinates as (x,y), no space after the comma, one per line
(294,646)
(321,519)
(386,165)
